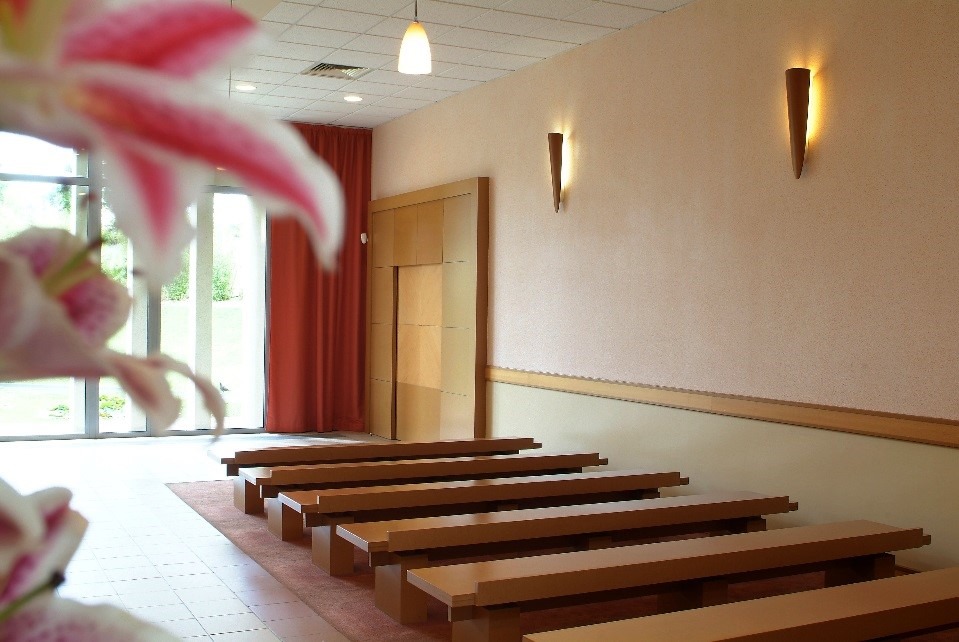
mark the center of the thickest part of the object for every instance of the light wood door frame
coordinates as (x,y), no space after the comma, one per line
(477,189)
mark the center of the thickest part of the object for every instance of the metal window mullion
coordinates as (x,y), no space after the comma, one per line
(91,230)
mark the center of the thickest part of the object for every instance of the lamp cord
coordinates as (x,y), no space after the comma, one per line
(416,12)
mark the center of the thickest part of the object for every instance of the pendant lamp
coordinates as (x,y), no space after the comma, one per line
(415,50)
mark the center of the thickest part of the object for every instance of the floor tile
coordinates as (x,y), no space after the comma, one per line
(184,628)
(204,594)
(151,598)
(231,606)
(263,635)
(284,611)
(163,613)
(231,623)
(267,596)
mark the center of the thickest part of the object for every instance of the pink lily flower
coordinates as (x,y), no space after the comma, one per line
(39,534)
(57,310)
(122,81)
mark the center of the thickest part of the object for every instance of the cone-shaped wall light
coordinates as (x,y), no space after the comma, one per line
(797,102)
(415,55)
(556,165)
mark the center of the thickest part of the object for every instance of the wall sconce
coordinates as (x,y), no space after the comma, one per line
(556,165)
(797,102)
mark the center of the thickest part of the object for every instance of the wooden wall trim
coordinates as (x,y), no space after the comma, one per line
(924,430)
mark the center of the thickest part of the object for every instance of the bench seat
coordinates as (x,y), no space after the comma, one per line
(397,546)
(372,451)
(908,604)
(254,484)
(485,598)
(323,510)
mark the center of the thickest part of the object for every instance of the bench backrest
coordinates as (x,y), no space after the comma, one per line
(518,525)
(416,468)
(866,610)
(549,576)
(505,489)
(291,455)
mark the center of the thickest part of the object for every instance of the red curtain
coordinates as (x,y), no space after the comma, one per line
(317,325)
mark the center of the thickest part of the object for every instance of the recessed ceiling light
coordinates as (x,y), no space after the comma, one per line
(244,87)
(352,99)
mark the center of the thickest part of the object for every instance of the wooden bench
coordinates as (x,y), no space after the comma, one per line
(881,609)
(485,598)
(397,546)
(372,451)
(255,484)
(323,510)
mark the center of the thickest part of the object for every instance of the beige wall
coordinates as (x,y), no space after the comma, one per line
(687,255)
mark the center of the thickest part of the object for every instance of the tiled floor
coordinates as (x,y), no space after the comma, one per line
(147,551)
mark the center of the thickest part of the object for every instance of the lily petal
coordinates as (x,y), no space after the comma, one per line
(19,306)
(59,619)
(21,528)
(173,120)
(150,199)
(176,38)
(64,530)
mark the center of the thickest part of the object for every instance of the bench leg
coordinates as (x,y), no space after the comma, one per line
(246,497)
(331,552)
(493,624)
(395,596)
(284,521)
(694,596)
(875,567)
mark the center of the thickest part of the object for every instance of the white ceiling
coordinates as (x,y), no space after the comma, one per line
(472,41)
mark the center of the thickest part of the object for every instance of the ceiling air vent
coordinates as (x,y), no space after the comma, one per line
(342,72)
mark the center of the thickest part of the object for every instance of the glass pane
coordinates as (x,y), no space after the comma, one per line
(49,406)
(117,412)
(238,308)
(25,155)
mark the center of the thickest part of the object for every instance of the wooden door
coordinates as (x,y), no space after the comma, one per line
(427,322)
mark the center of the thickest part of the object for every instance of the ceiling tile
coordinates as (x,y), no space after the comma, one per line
(287,12)
(374,44)
(390,77)
(299,51)
(379,7)
(391,112)
(314,36)
(312,116)
(484,4)
(425,93)
(546,8)
(513,23)
(474,39)
(655,5)
(316,82)
(338,106)
(614,16)
(358,58)
(458,55)
(468,72)
(444,13)
(278,113)
(262,89)
(243,97)
(289,103)
(402,103)
(396,28)
(335,98)
(535,47)
(498,60)
(273,29)
(571,32)
(446,85)
(260,75)
(299,92)
(363,88)
(352,21)
(288,65)
(361,120)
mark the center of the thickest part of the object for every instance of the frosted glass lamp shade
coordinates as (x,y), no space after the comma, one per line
(415,51)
